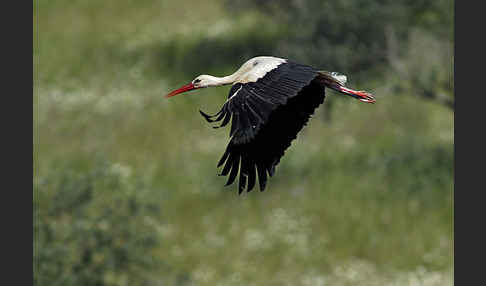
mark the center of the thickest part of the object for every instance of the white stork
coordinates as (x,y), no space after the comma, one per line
(270,101)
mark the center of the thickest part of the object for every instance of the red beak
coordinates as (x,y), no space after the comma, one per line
(184,88)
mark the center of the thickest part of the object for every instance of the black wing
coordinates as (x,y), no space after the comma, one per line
(266,117)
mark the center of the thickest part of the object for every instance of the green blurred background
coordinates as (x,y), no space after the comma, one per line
(126,190)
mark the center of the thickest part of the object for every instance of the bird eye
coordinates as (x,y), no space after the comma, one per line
(197,81)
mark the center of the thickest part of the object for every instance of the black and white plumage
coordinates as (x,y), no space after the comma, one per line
(270,101)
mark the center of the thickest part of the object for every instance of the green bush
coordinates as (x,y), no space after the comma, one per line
(423,66)
(93,228)
(349,36)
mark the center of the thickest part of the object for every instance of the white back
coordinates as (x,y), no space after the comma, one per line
(256,68)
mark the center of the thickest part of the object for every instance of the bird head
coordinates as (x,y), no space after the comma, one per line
(201,81)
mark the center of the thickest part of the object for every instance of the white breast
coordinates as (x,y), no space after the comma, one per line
(257,68)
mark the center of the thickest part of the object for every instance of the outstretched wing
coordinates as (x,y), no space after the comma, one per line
(266,116)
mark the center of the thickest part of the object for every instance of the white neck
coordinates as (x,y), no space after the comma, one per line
(218,81)
(250,71)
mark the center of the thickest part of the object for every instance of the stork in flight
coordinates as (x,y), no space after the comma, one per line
(270,101)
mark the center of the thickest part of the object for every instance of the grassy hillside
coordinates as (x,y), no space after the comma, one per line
(126,185)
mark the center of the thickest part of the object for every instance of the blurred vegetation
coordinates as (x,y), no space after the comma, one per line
(392,34)
(99,222)
(125,184)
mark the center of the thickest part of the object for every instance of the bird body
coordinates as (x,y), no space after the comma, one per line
(270,101)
